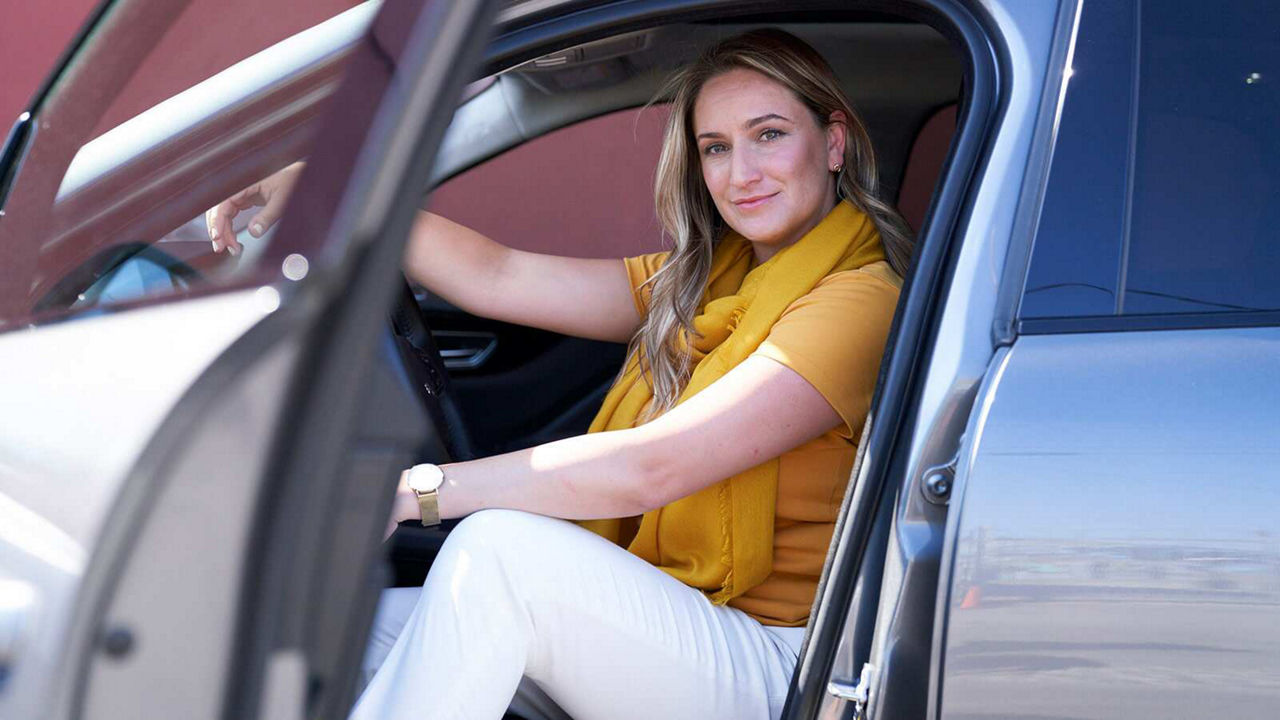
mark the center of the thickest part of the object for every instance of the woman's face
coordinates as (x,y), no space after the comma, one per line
(766,162)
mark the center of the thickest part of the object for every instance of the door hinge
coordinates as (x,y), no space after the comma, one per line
(937,481)
(859,693)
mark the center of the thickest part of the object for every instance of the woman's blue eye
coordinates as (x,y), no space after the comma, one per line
(714,149)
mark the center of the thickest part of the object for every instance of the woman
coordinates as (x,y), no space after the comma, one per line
(720,455)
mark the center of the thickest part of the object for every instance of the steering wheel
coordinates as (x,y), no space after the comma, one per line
(425,367)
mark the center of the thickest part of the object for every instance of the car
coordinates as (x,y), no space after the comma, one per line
(1063,503)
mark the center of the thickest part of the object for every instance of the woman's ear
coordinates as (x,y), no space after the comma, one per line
(837,136)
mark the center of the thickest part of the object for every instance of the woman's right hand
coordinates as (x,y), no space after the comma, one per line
(271,194)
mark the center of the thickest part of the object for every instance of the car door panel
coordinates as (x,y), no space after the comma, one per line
(160,590)
(531,385)
(186,534)
(1110,550)
(319,535)
(553,395)
(1120,492)
(119,377)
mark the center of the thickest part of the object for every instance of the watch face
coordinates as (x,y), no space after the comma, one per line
(425,478)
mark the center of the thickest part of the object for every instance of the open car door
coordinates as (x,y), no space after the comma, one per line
(201,451)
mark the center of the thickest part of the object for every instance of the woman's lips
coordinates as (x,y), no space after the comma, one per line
(753,202)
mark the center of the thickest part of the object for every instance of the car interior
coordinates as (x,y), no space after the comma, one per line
(574,115)
(553,154)
(577,129)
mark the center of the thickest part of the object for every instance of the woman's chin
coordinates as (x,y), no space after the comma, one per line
(757,226)
(761,233)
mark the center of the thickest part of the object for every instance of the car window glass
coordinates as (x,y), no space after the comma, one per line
(132,145)
(1207,160)
(1161,193)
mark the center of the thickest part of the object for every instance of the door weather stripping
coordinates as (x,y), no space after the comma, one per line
(859,693)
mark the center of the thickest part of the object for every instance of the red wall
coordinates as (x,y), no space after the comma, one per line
(585,190)
(33,34)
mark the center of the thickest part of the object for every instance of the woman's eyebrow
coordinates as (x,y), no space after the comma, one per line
(764,118)
(748,124)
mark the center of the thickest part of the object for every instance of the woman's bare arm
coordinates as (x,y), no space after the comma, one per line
(580,297)
(588,298)
(757,411)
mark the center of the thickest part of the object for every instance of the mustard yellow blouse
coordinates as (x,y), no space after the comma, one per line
(833,337)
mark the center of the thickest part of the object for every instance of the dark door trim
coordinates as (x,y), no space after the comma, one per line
(314,560)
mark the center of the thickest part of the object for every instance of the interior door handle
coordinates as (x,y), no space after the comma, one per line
(463,349)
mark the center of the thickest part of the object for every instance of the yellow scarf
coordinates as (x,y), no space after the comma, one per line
(720,539)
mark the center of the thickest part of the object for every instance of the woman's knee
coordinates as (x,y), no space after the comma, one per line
(522,547)
(487,542)
(484,530)
(503,532)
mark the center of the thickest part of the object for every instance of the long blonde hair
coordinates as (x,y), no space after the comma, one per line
(689,216)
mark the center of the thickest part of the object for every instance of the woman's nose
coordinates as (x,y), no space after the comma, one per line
(744,168)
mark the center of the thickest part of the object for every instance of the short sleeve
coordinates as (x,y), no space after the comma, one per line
(639,269)
(834,337)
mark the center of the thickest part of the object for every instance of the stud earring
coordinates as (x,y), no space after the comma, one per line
(837,168)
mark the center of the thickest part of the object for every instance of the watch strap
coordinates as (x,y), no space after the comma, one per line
(429,507)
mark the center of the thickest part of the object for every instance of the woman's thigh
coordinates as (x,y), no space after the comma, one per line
(607,634)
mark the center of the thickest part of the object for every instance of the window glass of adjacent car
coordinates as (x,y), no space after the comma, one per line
(164,111)
(1162,192)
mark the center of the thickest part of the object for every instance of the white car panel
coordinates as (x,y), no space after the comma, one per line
(67,446)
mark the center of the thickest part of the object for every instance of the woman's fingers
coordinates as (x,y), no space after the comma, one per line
(271,193)
(219,218)
(270,213)
(210,220)
(218,221)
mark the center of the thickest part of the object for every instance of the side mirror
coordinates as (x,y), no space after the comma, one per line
(120,274)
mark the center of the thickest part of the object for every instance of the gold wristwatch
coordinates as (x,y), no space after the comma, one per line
(425,480)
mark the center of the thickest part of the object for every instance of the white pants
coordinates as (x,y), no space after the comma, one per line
(576,623)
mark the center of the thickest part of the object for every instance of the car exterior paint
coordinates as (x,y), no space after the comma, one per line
(1114,535)
(82,401)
